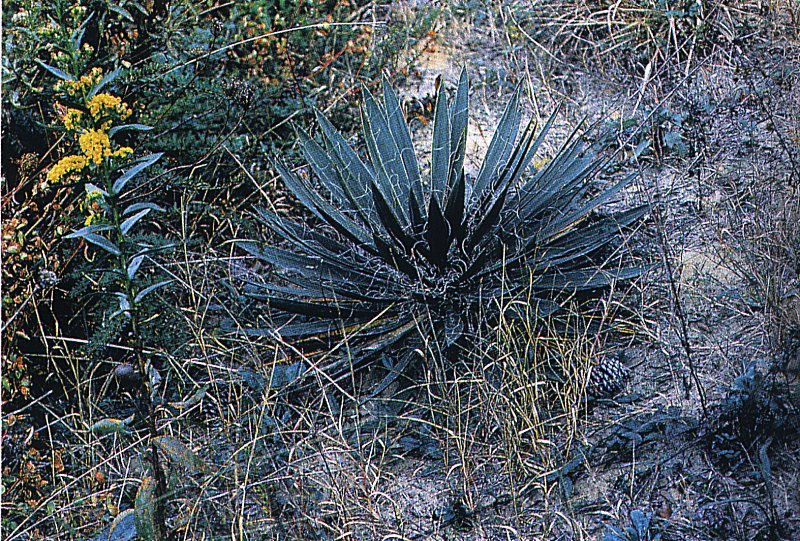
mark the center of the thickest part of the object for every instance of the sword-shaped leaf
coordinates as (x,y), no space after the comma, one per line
(319,309)
(402,137)
(323,167)
(454,211)
(459,119)
(385,159)
(582,280)
(479,234)
(562,224)
(390,221)
(356,177)
(500,146)
(440,146)
(321,208)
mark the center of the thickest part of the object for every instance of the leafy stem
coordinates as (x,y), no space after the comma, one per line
(147,390)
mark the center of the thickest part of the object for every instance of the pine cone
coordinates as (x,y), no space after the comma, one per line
(607,378)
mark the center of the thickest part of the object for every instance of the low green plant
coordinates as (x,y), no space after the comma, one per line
(403,263)
(754,410)
(654,135)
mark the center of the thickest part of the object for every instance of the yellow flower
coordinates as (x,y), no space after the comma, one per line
(102,111)
(95,145)
(100,102)
(122,152)
(72,119)
(66,166)
(106,103)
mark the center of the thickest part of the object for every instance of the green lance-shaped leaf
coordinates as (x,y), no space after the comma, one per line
(90,234)
(55,71)
(126,225)
(98,240)
(144,510)
(124,305)
(179,453)
(128,127)
(126,177)
(108,78)
(80,233)
(139,206)
(149,289)
(111,426)
(76,37)
(134,265)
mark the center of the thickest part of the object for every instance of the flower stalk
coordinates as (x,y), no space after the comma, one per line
(90,118)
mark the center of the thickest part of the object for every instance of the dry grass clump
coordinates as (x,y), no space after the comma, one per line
(536,391)
(650,36)
(765,253)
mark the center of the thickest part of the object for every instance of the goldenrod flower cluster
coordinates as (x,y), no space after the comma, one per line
(96,146)
(90,119)
(105,104)
(67,166)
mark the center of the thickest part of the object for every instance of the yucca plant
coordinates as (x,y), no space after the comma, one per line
(402,261)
